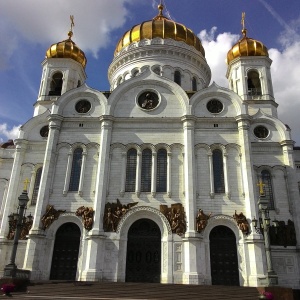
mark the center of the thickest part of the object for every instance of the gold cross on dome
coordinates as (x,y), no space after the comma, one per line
(26,183)
(243,20)
(261,187)
(72,22)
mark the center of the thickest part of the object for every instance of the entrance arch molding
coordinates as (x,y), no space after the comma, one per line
(51,234)
(225,220)
(145,212)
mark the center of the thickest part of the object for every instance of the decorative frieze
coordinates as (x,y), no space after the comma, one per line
(242,222)
(87,214)
(50,216)
(201,220)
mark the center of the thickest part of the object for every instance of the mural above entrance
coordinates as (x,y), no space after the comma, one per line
(176,217)
(113,214)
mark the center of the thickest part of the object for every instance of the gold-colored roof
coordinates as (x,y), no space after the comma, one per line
(246,46)
(160,27)
(67,49)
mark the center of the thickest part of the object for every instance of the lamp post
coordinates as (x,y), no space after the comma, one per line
(11,270)
(263,228)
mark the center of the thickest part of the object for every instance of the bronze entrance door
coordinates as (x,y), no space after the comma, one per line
(143,263)
(223,257)
(65,252)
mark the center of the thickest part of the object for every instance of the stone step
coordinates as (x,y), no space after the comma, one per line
(135,291)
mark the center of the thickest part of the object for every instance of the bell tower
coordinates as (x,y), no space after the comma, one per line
(63,70)
(249,68)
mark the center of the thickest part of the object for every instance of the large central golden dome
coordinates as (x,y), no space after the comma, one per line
(160,27)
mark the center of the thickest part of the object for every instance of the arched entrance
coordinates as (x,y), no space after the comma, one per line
(65,252)
(143,261)
(223,257)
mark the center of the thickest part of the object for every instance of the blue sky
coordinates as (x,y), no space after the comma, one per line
(29,27)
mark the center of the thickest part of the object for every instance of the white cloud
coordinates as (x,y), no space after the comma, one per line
(285,70)
(8,134)
(47,22)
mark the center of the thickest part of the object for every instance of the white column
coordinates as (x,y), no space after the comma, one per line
(211,175)
(191,239)
(123,174)
(242,178)
(255,264)
(138,173)
(34,251)
(227,191)
(169,177)
(94,245)
(11,202)
(82,172)
(153,173)
(68,172)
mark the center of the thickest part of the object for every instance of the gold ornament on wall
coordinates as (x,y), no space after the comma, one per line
(87,214)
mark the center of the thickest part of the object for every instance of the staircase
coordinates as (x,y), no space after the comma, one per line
(134,291)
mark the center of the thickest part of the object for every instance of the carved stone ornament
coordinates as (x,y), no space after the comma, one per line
(242,222)
(87,214)
(176,217)
(113,214)
(26,226)
(201,220)
(50,216)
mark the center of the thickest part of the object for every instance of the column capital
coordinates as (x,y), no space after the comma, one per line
(188,121)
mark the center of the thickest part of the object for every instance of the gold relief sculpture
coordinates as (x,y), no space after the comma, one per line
(87,214)
(26,226)
(176,217)
(201,220)
(113,214)
(50,216)
(241,222)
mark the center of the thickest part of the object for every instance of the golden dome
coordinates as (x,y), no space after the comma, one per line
(67,49)
(160,27)
(246,46)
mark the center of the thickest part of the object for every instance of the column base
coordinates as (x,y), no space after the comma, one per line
(193,278)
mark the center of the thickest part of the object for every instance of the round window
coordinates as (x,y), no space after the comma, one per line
(44,131)
(83,106)
(214,106)
(261,132)
(148,100)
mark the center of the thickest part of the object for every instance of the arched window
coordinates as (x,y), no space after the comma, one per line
(146,170)
(177,77)
(156,70)
(161,179)
(268,190)
(76,169)
(218,171)
(131,170)
(56,84)
(194,84)
(254,87)
(36,186)
(135,73)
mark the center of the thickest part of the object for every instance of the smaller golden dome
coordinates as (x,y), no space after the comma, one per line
(160,27)
(246,46)
(67,49)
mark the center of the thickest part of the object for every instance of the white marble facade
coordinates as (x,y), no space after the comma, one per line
(183,126)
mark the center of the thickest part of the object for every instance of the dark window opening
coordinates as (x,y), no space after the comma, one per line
(268,190)
(218,171)
(177,77)
(161,180)
(36,186)
(56,84)
(76,170)
(146,170)
(254,86)
(131,170)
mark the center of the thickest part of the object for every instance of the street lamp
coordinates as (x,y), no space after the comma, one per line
(11,270)
(263,228)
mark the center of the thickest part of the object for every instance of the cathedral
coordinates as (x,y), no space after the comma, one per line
(168,177)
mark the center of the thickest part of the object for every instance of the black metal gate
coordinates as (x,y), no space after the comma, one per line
(143,262)
(223,257)
(65,253)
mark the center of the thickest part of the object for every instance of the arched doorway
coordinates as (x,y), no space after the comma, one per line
(223,257)
(65,252)
(143,261)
